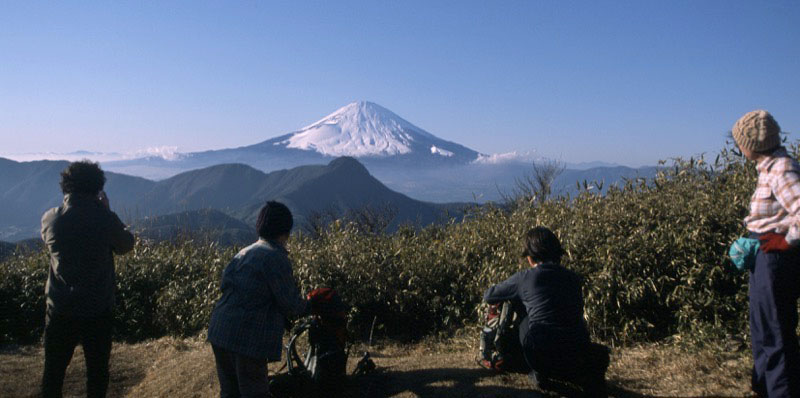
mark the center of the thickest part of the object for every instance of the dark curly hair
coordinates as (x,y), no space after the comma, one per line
(83,177)
(542,245)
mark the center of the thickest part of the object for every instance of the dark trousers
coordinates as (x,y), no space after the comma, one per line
(585,367)
(61,335)
(774,290)
(240,376)
(584,364)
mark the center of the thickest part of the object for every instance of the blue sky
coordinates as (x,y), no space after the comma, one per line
(629,82)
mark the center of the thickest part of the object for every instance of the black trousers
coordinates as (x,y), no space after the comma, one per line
(583,364)
(585,367)
(240,376)
(61,335)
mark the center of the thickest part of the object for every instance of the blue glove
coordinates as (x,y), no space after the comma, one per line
(743,253)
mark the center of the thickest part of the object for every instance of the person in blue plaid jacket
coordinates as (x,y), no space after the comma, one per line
(259,293)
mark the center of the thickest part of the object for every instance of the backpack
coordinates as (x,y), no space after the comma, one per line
(500,348)
(316,354)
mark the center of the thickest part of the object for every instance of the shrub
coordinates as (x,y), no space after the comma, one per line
(22,301)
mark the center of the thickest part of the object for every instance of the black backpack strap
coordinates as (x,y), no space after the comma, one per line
(295,364)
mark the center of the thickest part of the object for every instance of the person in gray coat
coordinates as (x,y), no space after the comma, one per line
(82,236)
(259,293)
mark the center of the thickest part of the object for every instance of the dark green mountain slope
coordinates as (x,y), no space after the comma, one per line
(202,224)
(6,249)
(240,191)
(346,184)
(28,189)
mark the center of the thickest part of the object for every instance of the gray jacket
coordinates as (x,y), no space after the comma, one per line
(82,237)
(258,292)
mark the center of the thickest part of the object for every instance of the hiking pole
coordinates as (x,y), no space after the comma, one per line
(371,331)
(365,364)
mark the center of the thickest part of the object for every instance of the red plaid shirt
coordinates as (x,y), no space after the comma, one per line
(775,204)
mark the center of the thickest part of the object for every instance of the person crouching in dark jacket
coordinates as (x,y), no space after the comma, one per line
(259,293)
(553,332)
(82,236)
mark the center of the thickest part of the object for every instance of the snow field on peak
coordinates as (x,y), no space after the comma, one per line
(439,151)
(348,137)
(360,129)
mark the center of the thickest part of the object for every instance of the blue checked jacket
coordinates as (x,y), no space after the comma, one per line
(258,292)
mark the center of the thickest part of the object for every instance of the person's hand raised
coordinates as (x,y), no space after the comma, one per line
(103,198)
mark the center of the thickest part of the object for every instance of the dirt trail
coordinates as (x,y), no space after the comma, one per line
(185,368)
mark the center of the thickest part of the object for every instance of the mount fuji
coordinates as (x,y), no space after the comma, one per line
(368,130)
(374,135)
(403,156)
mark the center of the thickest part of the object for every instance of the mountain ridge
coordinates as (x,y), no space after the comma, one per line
(238,190)
(203,224)
(401,155)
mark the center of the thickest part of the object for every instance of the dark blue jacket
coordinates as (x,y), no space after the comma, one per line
(553,301)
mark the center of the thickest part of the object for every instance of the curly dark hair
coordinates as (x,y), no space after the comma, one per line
(83,176)
(542,245)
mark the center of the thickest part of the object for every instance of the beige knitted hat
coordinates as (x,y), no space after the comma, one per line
(757,131)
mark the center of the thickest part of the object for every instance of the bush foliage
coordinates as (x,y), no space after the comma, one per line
(652,252)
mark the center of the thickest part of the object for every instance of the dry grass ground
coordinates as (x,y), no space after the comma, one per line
(185,368)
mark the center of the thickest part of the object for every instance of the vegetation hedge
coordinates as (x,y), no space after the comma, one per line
(652,252)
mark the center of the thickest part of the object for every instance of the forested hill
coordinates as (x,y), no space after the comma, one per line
(27,189)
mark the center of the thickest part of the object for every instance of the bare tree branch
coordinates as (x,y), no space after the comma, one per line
(537,185)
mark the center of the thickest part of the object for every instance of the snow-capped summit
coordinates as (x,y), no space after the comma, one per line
(365,129)
(357,129)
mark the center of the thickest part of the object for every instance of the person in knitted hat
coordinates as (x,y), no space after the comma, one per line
(775,278)
(259,293)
